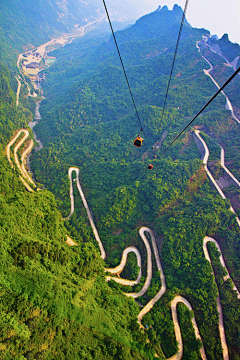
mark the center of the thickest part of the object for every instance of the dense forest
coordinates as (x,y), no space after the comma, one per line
(24,26)
(55,301)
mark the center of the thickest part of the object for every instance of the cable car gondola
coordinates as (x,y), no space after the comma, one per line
(138,141)
(150,166)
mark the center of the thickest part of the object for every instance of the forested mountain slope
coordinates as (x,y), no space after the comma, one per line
(25,25)
(88,121)
(55,301)
(99,107)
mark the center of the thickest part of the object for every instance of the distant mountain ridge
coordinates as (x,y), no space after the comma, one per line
(25,24)
(155,24)
(88,120)
(55,302)
(150,36)
(228,49)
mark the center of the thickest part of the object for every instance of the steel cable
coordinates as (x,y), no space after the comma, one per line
(119,54)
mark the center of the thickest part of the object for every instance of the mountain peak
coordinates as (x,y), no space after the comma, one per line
(155,24)
(225,37)
(164,8)
(159,8)
(177,9)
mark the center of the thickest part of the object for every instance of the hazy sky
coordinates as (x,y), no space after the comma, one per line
(217,16)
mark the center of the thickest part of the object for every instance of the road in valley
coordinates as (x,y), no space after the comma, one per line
(120,267)
(62,40)
(33,123)
(18,89)
(162,290)
(117,270)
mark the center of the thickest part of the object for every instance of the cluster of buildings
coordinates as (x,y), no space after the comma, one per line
(32,62)
(33,65)
(32,53)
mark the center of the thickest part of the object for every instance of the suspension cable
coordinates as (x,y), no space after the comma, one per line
(141,129)
(174,58)
(204,107)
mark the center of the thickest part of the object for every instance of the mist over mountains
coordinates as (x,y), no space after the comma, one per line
(25,25)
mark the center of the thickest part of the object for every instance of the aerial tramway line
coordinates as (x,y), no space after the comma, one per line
(139,140)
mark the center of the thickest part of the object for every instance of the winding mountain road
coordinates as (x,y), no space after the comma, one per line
(219,305)
(70,171)
(117,270)
(18,89)
(177,299)
(205,250)
(21,166)
(23,162)
(120,267)
(11,142)
(174,302)
(207,239)
(222,162)
(149,264)
(207,72)
(216,49)
(162,290)
(205,160)
(97,237)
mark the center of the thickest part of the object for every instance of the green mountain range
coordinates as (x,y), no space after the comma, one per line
(55,300)
(25,25)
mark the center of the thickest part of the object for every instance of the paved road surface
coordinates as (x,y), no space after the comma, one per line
(179,354)
(152,302)
(70,170)
(118,269)
(21,167)
(18,89)
(219,305)
(23,162)
(205,160)
(149,265)
(226,169)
